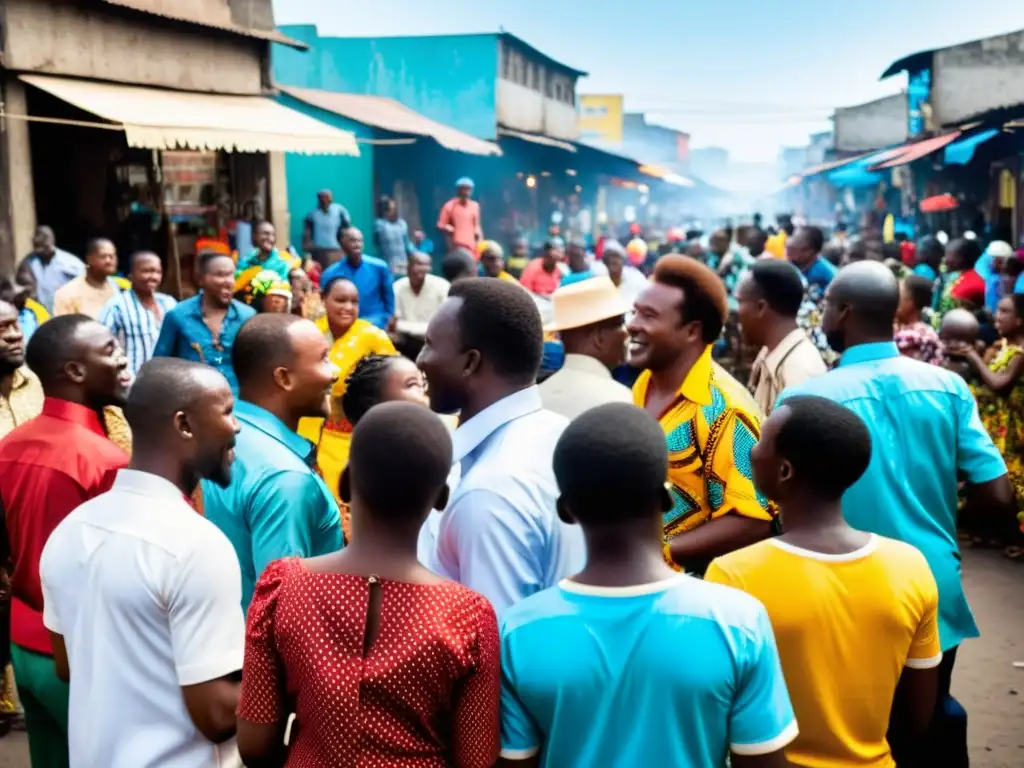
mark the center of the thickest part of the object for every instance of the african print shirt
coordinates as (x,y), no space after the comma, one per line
(809,319)
(710,428)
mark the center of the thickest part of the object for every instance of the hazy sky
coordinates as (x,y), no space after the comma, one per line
(748,75)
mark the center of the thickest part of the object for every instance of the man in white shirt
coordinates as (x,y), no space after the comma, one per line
(142,595)
(629,280)
(590,318)
(500,533)
(768,300)
(417,298)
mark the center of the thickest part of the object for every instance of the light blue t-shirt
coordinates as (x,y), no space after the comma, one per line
(925,428)
(276,505)
(325,225)
(675,673)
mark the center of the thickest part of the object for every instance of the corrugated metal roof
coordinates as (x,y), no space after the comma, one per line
(393,116)
(163,9)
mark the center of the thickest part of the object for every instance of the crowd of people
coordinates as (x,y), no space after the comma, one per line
(341,510)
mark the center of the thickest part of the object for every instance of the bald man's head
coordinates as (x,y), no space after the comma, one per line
(860,305)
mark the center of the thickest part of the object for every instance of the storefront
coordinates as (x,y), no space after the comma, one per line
(167,171)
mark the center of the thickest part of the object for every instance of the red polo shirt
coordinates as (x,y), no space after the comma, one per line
(48,466)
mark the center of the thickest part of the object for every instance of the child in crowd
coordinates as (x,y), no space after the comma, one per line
(959,328)
(915,336)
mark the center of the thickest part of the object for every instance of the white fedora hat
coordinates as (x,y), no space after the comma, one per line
(585,303)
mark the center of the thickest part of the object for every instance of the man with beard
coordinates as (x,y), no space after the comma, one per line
(203,329)
(709,419)
(925,435)
(141,594)
(135,316)
(276,504)
(50,465)
(500,534)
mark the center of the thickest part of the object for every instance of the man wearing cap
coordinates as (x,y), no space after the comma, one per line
(460,219)
(590,317)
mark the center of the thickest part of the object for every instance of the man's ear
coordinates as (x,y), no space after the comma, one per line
(667,500)
(442,499)
(345,487)
(563,511)
(75,372)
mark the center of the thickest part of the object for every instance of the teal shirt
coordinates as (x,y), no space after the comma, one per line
(925,429)
(276,505)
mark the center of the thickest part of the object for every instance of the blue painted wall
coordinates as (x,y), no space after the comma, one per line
(349,178)
(450,78)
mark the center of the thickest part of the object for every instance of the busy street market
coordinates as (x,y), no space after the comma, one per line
(378,391)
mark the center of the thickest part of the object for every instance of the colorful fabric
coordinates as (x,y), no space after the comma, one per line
(921,342)
(281,262)
(423,694)
(969,287)
(334,436)
(32,315)
(861,618)
(924,419)
(1002,413)
(587,681)
(710,428)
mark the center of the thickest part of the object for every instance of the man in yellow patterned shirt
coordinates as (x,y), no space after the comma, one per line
(710,420)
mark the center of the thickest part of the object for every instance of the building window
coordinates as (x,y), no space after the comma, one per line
(532,70)
(506,63)
(558,91)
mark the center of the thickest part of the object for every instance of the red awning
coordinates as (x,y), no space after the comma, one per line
(911,152)
(938,203)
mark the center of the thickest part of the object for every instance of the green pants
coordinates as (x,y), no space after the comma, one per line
(44,697)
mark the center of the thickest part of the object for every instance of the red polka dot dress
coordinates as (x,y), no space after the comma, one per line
(424,694)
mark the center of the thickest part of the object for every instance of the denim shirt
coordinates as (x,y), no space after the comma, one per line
(186,336)
(372,279)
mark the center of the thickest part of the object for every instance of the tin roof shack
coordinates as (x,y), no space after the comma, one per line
(95,92)
(968,80)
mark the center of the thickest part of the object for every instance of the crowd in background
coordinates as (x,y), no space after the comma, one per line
(288,556)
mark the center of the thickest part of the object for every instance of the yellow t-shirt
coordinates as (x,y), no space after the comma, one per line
(846,626)
(710,428)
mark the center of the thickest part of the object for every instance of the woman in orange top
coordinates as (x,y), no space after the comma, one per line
(351,340)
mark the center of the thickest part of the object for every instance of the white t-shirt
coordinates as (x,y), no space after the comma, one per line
(147,595)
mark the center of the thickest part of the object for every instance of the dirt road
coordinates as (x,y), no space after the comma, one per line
(985,680)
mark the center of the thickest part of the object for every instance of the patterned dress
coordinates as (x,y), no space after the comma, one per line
(422,694)
(1003,417)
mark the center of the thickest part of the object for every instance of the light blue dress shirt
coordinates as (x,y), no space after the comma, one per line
(500,534)
(674,673)
(61,270)
(185,335)
(372,279)
(924,427)
(276,505)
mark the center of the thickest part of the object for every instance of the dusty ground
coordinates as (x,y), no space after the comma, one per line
(985,680)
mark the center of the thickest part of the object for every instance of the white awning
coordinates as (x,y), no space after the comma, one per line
(157,119)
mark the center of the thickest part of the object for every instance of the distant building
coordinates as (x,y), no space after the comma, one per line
(709,162)
(656,144)
(477,83)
